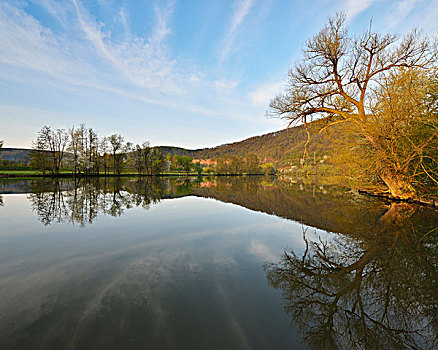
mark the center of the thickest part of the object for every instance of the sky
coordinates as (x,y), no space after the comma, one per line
(187,73)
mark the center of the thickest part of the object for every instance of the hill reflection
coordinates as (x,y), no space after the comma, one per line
(81,201)
(372,283)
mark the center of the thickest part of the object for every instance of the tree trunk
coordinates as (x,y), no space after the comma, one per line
(398,185)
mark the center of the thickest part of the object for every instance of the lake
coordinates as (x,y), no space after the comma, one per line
(213,263)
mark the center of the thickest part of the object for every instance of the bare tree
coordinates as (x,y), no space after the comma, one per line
(104,153)
(116,142)
(93,151)
(336,82)
(119,150)
(54,143)
(141,156)
(137,157)
(74,147)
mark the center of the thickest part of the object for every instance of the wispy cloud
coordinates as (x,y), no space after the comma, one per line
(261,96)
(241,10)
(144,63)
(402,10)
(355,7)
(163,15)
(25,43)
(88,55)
(57,9)
(95,58)
(140,64)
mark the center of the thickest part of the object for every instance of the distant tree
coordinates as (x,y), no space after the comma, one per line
(93,151)
(185,162)
(137,158)
(52,143)
(235,165)
(222,166)
(159,163)
(171,161)
(74,147)
(198,168)
(252,164)
(119,151)
(147,157)
(39,161)
(141,157)
(338,82)
(209,170)
(104,153)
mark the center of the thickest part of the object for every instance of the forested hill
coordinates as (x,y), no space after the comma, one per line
(277,147)
(19,155)
(178,150)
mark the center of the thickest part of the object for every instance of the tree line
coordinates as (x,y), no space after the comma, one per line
(82,152)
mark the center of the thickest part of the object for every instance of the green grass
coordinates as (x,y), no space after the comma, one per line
(21,172)
(68,172)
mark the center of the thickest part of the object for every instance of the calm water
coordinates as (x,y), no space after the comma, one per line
(222,263)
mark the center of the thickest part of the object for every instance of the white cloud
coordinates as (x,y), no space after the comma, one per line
(429,20)
(355,7)
(86,54)
(402,10)
(225,85)
(241,10)
(162,15)
(261,96)
(25,43)
(144,63)
(58,10)
(263,251)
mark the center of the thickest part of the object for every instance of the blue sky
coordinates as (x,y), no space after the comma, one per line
(190,73)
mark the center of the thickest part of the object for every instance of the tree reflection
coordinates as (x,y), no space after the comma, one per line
(376,290)
(374,284)
(80,201)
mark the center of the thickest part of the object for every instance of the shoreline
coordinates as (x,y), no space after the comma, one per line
(67,175)
(430,203)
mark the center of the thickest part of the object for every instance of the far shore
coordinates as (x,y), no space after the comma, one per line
(26,174)
(34,174)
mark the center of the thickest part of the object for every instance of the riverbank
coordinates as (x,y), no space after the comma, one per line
(36,174)
(312,178)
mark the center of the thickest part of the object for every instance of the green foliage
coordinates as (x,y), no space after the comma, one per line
(209,170)
(159,162)
(198,168)
(40,161)
(184,163)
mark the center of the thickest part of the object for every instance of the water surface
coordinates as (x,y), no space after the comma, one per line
(242,263)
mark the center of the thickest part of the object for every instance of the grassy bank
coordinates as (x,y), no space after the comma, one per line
(35,173)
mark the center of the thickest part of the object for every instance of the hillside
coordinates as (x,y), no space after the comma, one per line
(19,155)
(281,147)
(177,150)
